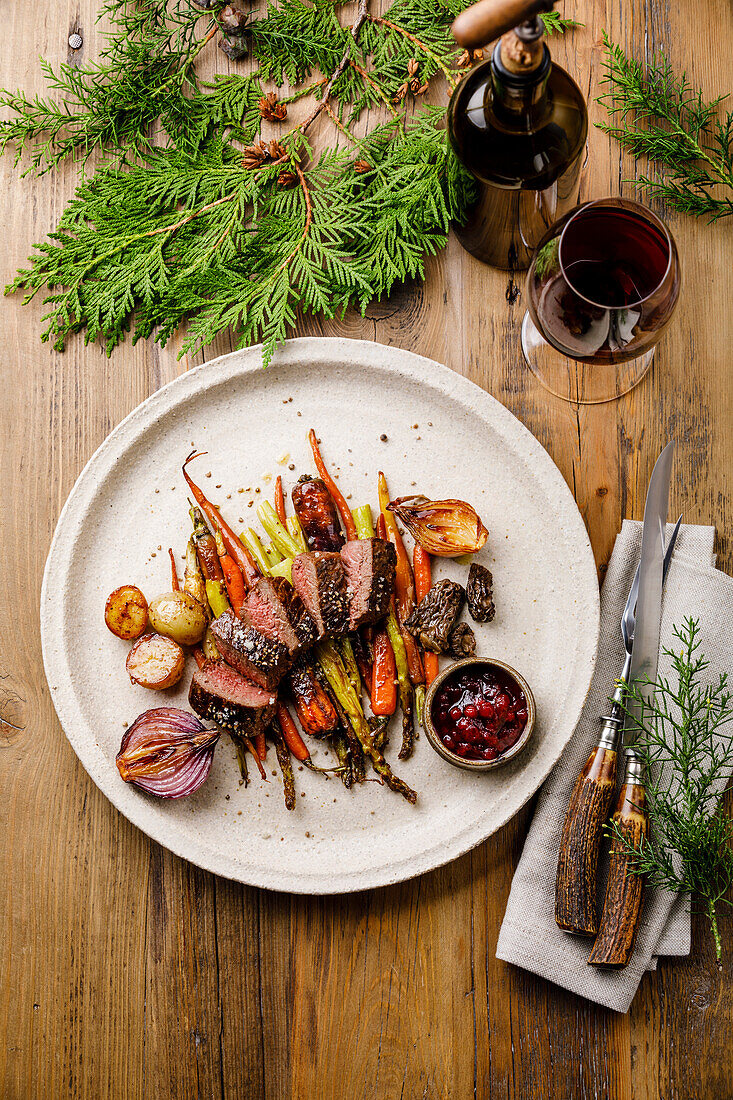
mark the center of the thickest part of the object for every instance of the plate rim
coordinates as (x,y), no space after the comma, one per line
(196,380)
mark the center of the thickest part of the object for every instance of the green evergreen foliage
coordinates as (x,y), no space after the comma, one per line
(660,116)
(189,226)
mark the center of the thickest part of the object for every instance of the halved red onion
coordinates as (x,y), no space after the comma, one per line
(167,752)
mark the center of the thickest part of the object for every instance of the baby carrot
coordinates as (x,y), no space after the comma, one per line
(232,576)
(422,568)
(280,501)
(175,585)
(241,556)
(344,511)
(292,738)
(384,676)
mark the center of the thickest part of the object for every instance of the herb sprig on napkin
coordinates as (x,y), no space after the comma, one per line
(684,736)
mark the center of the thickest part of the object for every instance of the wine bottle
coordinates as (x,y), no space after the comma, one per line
(518,123)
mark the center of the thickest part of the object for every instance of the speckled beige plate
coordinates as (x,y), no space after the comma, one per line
(445,437)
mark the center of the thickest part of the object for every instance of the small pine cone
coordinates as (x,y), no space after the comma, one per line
(271,109)
(254,155)
(468,57)
(401,92)
(275,150)
(233,20)
(361,166)
(287,179)
(417,88)
(233,46)
(412,66)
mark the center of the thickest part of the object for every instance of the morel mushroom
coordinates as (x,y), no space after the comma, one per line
(435,616)
(461,642)
(480,594)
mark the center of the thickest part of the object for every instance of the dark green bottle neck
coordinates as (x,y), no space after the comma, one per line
(519,99)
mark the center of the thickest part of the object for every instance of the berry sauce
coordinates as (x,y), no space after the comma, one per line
(479,712)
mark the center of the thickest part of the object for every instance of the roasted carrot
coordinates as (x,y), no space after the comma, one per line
(280,501)
(404,581)
(198,655)
(344,511)
(384,676)
(233,578)
(257,757)
(291,736)
(205,547)
(234,547)
(422,567)
(175,585)
(261,745)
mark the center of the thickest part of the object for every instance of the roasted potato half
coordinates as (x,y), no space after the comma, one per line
(126,612)
(155,662)
(179,616)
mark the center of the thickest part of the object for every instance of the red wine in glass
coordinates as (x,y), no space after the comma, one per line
(601,289)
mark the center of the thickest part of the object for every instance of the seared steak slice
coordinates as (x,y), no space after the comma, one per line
(257,656)
(274,608)
(370,578)
(320,581)
(435,616)
(297,613)
(221,695)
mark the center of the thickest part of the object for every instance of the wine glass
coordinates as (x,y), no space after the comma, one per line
(601,290)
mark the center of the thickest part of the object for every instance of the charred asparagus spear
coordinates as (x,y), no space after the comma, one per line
(339,681)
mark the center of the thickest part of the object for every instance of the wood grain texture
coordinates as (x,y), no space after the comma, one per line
(576,885)
(614,944)
(125,972)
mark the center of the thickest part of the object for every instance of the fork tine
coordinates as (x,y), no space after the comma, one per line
(670,549)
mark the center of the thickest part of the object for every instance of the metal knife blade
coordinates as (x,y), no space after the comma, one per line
(645,652)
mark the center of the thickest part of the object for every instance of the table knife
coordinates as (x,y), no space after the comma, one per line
(576,885)
(614,944)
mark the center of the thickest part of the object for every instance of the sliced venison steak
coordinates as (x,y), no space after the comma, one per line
(370,578)
(221,695)
(274,608)
(244,646)
(297,613)
(320,581)
(435,616)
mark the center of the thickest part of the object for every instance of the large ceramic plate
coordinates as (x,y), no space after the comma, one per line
(445,437)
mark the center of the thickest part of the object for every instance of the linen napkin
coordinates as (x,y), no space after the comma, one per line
(529,936)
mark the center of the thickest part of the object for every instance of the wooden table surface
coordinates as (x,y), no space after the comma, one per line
(126,972)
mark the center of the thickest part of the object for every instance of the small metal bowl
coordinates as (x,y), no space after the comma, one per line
(462,761)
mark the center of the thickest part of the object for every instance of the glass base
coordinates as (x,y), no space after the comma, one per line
(580,383)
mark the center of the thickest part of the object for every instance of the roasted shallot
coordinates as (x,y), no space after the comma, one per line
(445,528)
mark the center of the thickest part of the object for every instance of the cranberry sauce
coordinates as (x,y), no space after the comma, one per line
(479,712)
